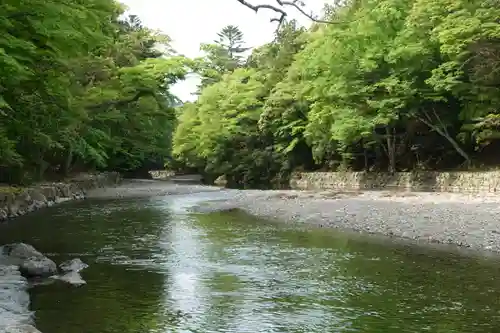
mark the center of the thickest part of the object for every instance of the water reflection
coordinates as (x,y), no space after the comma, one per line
(155,268)
(122,294)
(296,281)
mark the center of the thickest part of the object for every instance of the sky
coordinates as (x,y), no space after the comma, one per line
(192,22)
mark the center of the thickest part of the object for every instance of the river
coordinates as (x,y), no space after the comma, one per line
(156,268)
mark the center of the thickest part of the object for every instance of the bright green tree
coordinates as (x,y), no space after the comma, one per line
(82,88)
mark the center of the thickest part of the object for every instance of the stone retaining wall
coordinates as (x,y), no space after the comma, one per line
(19,201)
(466,182)
(161,174)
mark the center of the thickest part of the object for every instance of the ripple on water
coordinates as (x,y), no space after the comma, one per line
(151,262)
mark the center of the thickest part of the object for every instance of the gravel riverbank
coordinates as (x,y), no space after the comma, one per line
(140,188)
(470,221)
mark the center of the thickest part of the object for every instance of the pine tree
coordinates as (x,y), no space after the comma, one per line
(231,39)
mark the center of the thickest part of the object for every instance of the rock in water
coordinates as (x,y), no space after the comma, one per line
(38,267)
(73,278)
(72,268)
(73,265)
(30,261)
(20,251)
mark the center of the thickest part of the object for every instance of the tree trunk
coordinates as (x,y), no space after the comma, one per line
(42,165)
(440,128)
(455,144)
(365,156)
(67,163)
(391,149)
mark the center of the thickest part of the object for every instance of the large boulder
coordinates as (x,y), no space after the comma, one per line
(38,267)
(31,262)
(20,251)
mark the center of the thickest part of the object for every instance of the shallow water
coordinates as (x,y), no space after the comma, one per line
(156,268)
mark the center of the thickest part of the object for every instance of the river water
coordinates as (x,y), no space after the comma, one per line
(155,268)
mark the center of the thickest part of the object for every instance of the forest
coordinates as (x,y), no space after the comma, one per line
(375,85)
(82,87)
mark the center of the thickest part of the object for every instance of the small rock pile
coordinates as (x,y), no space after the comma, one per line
(33,264)
(20,263)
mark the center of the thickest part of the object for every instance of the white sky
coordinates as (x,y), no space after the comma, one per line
(191,22)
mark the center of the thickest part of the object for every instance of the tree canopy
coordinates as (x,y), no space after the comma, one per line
(82,87)
(372,85)
(385,85)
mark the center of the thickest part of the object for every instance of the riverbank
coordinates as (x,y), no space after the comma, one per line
(140,188)
(469,221)
(17,201)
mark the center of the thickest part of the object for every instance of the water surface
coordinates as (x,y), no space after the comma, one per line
(155,268)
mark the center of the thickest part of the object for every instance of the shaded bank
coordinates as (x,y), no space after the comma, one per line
(17,201)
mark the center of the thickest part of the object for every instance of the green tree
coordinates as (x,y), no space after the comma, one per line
(223,56)
(226,131)
(231,39)
(82,88)
(374,85)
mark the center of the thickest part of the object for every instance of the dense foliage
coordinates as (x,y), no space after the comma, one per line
(384,85)
(81,87)
(389,85)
